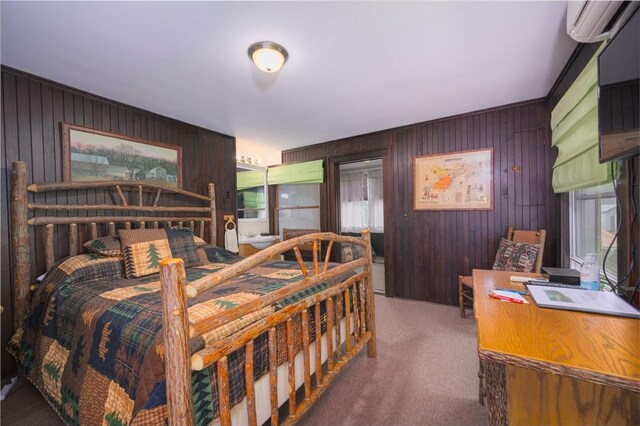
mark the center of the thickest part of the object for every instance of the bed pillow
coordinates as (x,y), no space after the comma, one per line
(106,246)
(183,245)
(215,254)
(86,267)
(199,241)
(110,246)
(351,252)
(144,249)
(516,257)
(202,254)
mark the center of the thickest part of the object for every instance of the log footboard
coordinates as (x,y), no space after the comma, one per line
(354,293)
(349,304)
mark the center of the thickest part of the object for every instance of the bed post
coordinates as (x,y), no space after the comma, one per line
(20,255)
(176,342)
(372,350)
(213,226)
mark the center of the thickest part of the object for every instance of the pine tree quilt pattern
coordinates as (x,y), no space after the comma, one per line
(144,258)
(93,342)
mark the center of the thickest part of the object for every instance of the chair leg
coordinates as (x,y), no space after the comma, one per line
(461,297)
(481,391)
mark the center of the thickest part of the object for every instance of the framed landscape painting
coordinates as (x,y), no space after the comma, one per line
(93,155)
(454,181)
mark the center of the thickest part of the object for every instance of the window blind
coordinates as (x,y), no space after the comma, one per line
(299,173)
(253,200)
(574,124)
(250,179)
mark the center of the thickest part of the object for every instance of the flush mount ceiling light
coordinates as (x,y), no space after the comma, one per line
(268,56)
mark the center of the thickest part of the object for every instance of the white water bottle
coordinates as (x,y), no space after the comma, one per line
(590,273)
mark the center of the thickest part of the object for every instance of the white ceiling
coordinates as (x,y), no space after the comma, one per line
(354,67)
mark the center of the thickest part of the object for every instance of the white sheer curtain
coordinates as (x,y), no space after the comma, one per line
(376,210)
(352,204)
(361,203)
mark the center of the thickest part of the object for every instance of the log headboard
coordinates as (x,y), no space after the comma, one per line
(67,225)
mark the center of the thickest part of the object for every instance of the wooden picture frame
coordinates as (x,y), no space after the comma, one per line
(96,155)
(454,181)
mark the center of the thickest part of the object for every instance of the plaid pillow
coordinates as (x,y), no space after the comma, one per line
(516,257)
(143,249)
(144,258)
(199,241)
(107,246)
(183,245)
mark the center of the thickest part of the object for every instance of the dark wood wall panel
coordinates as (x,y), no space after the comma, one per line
(426,251)
(32,110)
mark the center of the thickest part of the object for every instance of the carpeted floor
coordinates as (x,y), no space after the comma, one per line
(425,374)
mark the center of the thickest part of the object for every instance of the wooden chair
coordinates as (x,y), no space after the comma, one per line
(306,250)
(517,235)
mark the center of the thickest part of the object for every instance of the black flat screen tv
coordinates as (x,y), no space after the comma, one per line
(618,96)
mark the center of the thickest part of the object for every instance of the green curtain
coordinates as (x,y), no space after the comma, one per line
(253,200)
(307,172)
(574,124)
(250,179)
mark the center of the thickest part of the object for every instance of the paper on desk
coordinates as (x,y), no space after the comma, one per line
(519,279)
(508,296)
(573,299)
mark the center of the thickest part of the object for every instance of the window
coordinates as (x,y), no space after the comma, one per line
(252,187)
(594,222)
(299,206)
(251,203)
(361,205)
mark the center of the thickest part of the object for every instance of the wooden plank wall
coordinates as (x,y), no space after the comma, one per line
(32,110)
(426,251)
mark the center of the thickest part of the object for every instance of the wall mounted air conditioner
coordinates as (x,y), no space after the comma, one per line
(591,21)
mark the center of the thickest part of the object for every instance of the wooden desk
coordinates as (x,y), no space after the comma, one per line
(549,366)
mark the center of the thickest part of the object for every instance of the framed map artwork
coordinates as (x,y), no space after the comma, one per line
(454,181)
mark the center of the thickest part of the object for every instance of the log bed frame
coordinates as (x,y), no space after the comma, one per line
(184,352)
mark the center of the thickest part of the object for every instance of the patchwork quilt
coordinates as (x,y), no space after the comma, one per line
(93,346)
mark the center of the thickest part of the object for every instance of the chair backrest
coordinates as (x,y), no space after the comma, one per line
(287,234)
(531,237)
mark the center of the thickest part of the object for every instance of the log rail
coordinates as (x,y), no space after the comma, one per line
(65,220)
(350,300)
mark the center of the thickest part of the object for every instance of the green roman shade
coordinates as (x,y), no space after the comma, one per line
(253,200)
(250,179)
(299,173)
(574,124)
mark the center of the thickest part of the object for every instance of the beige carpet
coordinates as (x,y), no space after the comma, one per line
(425,374)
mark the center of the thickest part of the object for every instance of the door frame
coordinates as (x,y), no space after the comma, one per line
(333,205)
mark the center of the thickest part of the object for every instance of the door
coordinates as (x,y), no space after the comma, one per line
(360,205)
